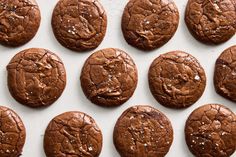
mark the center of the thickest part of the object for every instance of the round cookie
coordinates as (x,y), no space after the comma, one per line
(79,25)
(143,131)
(12,133)
(109,77)
(72,134)
(36,77)
(211,131)
(19,21)
(211,22)
(176,79)
(148,25)
(225,74)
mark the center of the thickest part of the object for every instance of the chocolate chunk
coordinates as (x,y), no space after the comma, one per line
(143,131)
(72,134)
(148,25)
(225,74)
(211,21)
(19,21)
(176,79)
(12,133)
(79,25)
(36,77)
(109,77)
(210,131)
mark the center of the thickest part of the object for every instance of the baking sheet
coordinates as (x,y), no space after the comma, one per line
(36,120)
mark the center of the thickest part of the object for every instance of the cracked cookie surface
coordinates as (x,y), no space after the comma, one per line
(12,133)
(210,131)
(36,77)
(225,74)
(19,21)
(211,21)
(79,25)
(72,134)
(109,77)
(149,24)
(176,79)
(143,131)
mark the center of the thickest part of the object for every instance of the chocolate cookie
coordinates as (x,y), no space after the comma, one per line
(19,21)
(12,133)
(225,74)
(36,77)
(73,134)
(176,79)
(210,131)
(143,131)
(148,25)
(79,25)
(109,77)
(211,21)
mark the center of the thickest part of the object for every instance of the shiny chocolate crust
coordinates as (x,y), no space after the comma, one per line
(143,131)
(79,25)
(225,74)
(211,21)
(149,24)
(12,133)
(36,77)
(176,79)
(19,21)
(109,77)
(210,131)
(72,134)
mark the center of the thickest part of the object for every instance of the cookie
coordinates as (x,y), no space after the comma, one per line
(225,74)
(19,21)
(36,77)
(176,79)
(143,131)
(109,77)
(211,131)
(12,133)
(148,25)
(79,25)
(72,134)
(211,22)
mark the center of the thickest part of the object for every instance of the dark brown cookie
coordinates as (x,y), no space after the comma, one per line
(225,74)
(210,131)
(109,77)
(36,77)
(19,21)
(12,133)
(143,131)
(148,25)
(211,21)
(79,25)
(73,134)
(176,79)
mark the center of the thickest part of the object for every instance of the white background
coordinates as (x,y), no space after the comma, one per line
(36,120)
